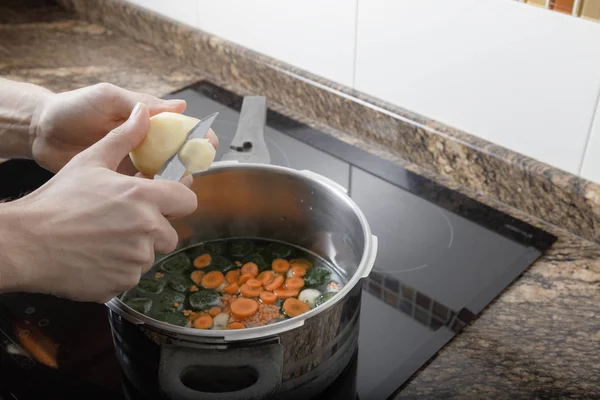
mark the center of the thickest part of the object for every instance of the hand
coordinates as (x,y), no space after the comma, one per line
(89,233)
(68,123)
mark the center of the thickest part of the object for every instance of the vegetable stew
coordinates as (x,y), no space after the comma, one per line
(234,284)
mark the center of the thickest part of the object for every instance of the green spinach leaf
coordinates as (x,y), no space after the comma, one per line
(150,285)
(316,276)
(177,263)
(203,299)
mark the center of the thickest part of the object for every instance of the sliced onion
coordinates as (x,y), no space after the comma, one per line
(220,321)
(309,296)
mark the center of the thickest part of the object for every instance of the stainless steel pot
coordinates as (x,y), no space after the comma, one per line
(297,356)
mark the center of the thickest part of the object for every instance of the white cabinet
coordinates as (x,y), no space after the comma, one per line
(590,168)
(522,77)
(315,35)
(185,11)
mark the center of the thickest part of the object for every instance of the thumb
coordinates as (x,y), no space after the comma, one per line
(114,147)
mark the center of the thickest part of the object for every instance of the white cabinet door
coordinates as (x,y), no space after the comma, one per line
(314,35)
(185,11)
(519,76)
(590,168)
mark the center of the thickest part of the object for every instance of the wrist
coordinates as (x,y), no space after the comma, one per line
(40,100)
(13,266)
(21,106)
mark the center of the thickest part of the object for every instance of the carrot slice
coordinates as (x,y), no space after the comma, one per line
(213,279)
(203,322)
(265,277)
(268,297)
(294,283)
(298,271)
(280,265)
(202,261)
(197,277)
(284,293)
(294,307)
(277,282)
(244,278)
(244,308)
(250,268)
(232,276)
(246,291)
(232,288)
(254,284)
(214,311)
(300,262)
(236,325)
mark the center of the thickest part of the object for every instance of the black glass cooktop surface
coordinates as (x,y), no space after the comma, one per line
(442,258)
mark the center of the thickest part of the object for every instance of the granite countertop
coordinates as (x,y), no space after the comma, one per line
(539,339)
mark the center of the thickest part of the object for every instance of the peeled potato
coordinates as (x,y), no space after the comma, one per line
(197,155)
(165,136)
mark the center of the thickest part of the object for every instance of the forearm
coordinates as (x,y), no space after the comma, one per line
(12,272)
(19,108)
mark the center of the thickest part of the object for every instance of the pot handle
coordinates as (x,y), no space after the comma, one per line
(371,256)
(248,373)
(248,144)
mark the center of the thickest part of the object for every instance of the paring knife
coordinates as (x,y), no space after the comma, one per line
(174,169)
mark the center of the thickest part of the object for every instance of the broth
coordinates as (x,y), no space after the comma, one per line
(234,284)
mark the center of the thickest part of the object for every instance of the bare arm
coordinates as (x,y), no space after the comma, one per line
(20,104)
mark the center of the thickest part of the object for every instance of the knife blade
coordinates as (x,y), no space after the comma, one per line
(174,169)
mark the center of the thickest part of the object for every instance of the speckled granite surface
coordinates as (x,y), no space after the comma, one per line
(536,188)
(539,339)
(43,44)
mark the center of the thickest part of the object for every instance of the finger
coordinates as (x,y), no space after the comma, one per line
(114,147)
(212,138)
(166,238)
(123,101)
(186,180)
(173,199)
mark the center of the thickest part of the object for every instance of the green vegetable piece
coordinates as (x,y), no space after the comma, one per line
(150,285)
(203,299)
(217,247)
(277,250)
(176,264)
(257,259)
(316,276)
(168,299)
(173,318)
(239,248)
(220,263)
(324,297)
(140,304)
(179,283)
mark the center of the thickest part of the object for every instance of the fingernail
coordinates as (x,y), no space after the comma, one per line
(174,102)
(136,109)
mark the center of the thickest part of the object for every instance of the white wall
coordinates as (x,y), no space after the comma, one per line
(315,35)
(520,76)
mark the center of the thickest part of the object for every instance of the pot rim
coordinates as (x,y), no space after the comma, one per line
(363,270)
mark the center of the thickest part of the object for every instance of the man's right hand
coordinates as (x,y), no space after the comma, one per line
(89,233)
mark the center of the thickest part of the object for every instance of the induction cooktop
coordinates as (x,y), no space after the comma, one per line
(442,258)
